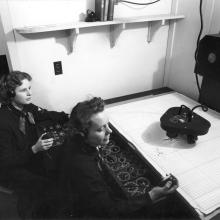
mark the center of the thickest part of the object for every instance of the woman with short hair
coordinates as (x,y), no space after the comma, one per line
(21,150)
(88,131)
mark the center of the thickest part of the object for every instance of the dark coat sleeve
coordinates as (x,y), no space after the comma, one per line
(41,114)
(94,191)
(15,148)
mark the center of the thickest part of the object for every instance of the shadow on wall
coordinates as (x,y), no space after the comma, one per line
(159,75)
(40,94)
(181,77)
(62,37)
(90,4)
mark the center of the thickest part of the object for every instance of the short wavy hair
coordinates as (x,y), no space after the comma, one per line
(80,117)
(9,83)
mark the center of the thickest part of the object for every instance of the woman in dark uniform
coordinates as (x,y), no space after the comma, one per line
(21,150)
(89,130)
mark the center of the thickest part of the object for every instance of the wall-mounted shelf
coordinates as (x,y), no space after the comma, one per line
(115,27)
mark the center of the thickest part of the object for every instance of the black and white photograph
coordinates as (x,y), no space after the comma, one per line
(109,109)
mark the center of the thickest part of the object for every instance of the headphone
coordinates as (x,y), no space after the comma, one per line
(10,93)
(78,127)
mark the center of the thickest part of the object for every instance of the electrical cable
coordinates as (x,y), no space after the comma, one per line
(204,108)
(197,43)
(137,3)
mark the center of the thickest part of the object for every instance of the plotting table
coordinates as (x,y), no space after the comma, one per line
(196,166)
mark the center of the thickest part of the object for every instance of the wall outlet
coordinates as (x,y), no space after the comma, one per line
(58,67)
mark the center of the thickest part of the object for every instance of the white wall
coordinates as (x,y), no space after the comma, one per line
(131,66)
(93,68)
(180,64)
(215,24)
(2,39)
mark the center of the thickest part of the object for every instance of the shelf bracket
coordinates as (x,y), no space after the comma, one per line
(153,26)
(163,22)
(73,34)
(115,31)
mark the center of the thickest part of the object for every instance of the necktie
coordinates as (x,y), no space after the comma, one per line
(22,121)
(30,118)
(99,158)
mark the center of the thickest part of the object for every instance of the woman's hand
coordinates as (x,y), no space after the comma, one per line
(42,144)
(158,193)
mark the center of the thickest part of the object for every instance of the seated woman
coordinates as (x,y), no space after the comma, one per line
(21,151)
(89,130)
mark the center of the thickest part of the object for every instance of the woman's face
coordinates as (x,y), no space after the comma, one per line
(99,131)
(23,93)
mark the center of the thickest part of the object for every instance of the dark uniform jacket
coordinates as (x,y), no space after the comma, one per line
(95,197)
(19,166)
